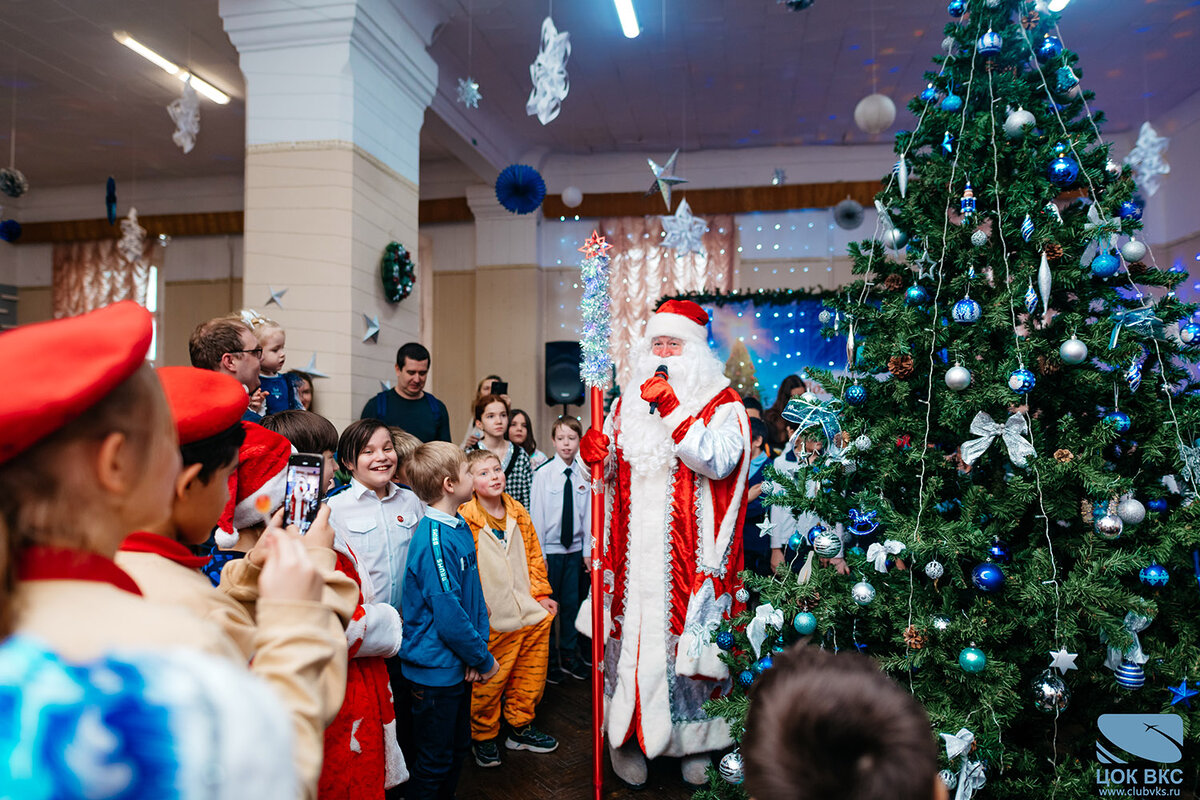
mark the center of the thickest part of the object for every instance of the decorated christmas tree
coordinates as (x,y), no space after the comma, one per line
(1014,467)
(739,368)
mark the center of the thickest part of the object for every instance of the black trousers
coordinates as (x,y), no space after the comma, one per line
(443,716)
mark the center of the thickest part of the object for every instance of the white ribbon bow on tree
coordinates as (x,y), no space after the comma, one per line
(1135,624)
(878,553)
(971,775)
(756,631)
(1012,432)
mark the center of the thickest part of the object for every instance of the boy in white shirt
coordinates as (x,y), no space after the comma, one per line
(560,505)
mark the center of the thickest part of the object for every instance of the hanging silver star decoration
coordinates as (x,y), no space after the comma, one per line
(684,231)
(387,385)
(764,527)
(468,92)
(1147,160)
(1191,459)
(311,368)
(549,74)
(662,180)
(276,298)
(925,266)
(185,113)
(372,334)
(1062,660)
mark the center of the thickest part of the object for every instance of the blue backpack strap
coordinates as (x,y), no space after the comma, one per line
(381,405)
(438,559)
(435,408)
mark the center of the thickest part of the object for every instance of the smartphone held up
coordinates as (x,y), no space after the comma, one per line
(303,490)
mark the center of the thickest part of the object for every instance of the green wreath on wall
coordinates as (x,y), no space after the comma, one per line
(398,272)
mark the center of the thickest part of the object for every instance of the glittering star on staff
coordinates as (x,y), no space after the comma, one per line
(1062,660)
(595,246)
(662,181)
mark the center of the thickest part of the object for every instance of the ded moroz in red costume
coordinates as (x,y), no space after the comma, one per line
(672,549)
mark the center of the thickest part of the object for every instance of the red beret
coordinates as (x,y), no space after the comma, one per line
(60,369)
(203,403)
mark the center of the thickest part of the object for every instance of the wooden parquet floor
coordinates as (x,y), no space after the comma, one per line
(566,774)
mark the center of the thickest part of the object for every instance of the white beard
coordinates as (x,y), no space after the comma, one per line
(696,376)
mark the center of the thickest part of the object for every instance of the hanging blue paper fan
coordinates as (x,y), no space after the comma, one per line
(10,230)
(110,201)
(520,189)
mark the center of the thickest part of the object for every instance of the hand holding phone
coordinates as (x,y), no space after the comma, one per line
(500,388)
(303,498)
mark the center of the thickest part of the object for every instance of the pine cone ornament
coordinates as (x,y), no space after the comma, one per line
(1047,366)
(1138,268)
(1030,20)
(1063,455)
(901,366)
(1085,511)
(893,283)
(913,638)
(841,439)
(1054,251)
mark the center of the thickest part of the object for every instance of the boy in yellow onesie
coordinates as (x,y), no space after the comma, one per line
(520,611)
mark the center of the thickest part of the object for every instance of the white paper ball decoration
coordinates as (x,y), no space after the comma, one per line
(958,377)
(1133,250)
(875,113)
(1014,125)
(572,197)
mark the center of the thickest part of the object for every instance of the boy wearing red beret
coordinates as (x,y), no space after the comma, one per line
(293,639)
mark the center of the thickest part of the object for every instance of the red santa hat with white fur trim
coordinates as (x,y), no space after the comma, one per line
(257,486)
(681,319)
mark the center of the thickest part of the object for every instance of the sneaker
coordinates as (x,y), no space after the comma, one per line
(555,676)
(487,753)
(531,739)
(571,665)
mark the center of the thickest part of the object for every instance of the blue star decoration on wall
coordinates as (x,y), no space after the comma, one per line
(1182,694)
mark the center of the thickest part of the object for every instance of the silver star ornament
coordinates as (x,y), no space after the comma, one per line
(764,527)
(684,231)
(1062,660)
(276,298)
(1147,160)
(662,180)
(468,92)
(311,368)
(372,333)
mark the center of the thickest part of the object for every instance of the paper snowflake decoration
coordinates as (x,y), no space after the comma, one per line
(1147,160)
(185,113)
(133,238)
(468,92)
(549,74)
(684,231)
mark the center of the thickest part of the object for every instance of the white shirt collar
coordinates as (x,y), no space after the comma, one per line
(359,490)
(440,516)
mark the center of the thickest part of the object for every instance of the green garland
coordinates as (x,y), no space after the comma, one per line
(775,297)
(398,272)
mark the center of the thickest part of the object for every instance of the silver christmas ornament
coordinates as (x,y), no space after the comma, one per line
(949,779)
(732,770)
(894,238)
(742,595)
(1109,526)
(934,570)
(979,238)
(941,623)
(958,377)
(849,467)
(1073,351)
(862,593)
(1112,169)
(1133,250)
(1050,692)
(1131,511)
(827,544)
(825,317)
(1014,125)
(863,443)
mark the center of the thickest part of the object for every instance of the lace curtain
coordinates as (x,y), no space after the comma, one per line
(92,274)
(641,272)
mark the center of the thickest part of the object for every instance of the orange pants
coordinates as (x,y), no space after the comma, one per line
(523,656)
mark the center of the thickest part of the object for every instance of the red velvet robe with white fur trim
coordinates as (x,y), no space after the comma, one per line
(673,550)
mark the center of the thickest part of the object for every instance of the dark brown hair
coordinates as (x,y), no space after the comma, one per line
(36,503)
(430,465)
(567,422)
(833,727)
(213,339)
(307,431)
(785,392)
(482,403)
(530,444)
(354,440)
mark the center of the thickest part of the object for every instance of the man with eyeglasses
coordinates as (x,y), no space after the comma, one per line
(226,344)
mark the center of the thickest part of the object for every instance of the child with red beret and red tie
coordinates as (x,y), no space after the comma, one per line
(88,452)
(296,643)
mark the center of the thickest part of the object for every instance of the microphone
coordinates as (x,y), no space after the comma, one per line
(661,372)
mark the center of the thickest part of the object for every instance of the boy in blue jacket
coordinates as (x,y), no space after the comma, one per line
(445,622)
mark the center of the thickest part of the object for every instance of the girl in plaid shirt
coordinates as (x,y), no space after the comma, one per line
(491,417)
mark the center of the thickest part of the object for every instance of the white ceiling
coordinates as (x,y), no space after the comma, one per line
(710,74)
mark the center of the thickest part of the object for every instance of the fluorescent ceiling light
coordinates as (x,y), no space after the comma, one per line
(629,24)
(1058,5)
(169,67)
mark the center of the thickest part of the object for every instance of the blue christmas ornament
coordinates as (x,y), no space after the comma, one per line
(990,43)
(1027,228)
(763,664)
(966,205)
(1189,333)
(813,531)
(929,94)
(948,142)
(987,577)
(1130,210)
(1154,575)
(966,311)
(1133,375)
(1021,381)
(1063,170)
(998,550)
(1105,265)
(520,189)
(10,230)
(725,641)
(1158,505)
(863,523)
(805,623)
(1130,675)
(952,102)
(1119,420)
(745,679)
(1049,47)
(916,295)
(972,660)
(795,541)
(1031,299)
(856,395)
(1065,79)
(957,8)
